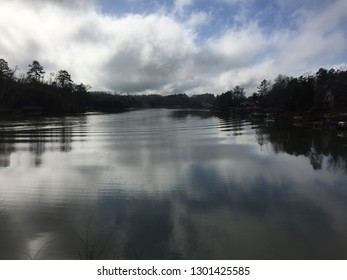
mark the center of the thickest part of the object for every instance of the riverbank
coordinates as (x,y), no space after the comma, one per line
(331,120)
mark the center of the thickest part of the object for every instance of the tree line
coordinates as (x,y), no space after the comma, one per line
(58,94)
(323,91)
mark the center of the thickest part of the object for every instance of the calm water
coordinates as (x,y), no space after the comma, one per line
(164,184)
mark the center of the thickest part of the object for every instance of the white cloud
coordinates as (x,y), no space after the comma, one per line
(197,19)
(317,40)
(35,4)
(162,53)
(180,5)
(148,56)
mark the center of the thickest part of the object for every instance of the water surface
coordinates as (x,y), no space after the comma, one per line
(170,184)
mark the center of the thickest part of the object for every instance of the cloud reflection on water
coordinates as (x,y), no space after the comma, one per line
(168,187)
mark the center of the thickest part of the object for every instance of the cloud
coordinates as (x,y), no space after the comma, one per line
(197,19)
(162,52)
(180,5)
(65,3)
(146,56)
(317,40)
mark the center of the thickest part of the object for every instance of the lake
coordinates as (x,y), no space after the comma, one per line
(170,184)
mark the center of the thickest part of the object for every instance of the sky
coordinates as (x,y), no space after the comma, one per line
(174,46)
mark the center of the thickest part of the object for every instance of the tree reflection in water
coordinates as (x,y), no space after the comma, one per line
(324,149)
(38,135)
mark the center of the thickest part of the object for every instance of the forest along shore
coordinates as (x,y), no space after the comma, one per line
(319,99)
